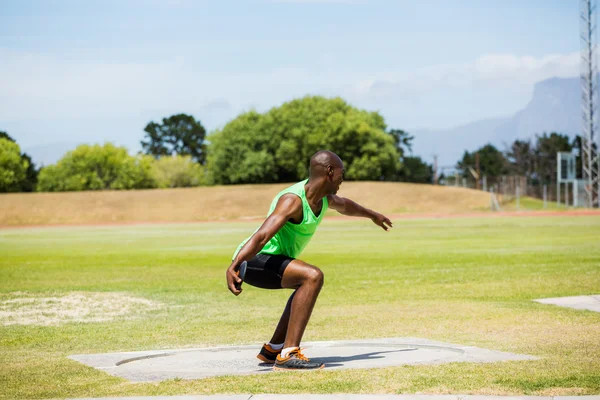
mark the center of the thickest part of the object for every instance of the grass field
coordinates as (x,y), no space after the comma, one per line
(466,281)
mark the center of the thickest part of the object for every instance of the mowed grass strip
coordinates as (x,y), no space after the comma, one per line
(219,203)
(464,281)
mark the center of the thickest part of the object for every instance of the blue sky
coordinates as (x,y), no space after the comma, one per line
(94,71)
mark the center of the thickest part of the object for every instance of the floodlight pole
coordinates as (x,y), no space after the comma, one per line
(589,91)
(558,178)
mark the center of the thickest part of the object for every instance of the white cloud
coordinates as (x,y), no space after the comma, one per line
(504,71)
(526,68)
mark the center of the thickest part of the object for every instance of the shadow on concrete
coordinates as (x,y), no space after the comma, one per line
(337,361)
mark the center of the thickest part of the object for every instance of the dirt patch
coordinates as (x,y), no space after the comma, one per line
(26,309)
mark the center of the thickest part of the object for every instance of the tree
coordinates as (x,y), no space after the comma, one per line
(177,171)
(97,168)
(491,162)
(402,140)
(521,158)
(276,146)
(415,170)
(13,167)
(31,175)
(179,134)
(27,184)
(4,135)
(545,155)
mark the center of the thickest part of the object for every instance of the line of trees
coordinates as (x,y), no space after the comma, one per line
(252,148)
(533,159)
(265,148)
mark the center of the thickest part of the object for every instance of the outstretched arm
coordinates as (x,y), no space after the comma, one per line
(348,207)
(288,206)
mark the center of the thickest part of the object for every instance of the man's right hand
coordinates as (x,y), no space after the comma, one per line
(289,206)
(233,279)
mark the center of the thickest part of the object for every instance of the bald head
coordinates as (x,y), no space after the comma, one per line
(326,171)
(320,162)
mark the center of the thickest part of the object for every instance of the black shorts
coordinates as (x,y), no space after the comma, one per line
(266,271)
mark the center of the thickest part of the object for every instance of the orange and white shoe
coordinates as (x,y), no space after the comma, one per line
(267,354)
(295,361)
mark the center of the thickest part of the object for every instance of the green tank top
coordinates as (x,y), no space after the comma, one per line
(292,238)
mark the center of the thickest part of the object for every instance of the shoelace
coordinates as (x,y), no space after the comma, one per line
(300,356)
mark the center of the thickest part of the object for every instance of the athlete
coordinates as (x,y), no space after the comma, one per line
(271,253)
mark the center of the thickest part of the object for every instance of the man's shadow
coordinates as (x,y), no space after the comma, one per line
(337,361)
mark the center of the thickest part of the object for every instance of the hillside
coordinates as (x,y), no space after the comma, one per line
(219,203)
(555,106)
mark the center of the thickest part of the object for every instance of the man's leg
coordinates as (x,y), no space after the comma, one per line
(308,281)
(282,326)
(269,351)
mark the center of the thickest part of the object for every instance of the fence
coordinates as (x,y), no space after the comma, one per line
(509,188)
(503,185)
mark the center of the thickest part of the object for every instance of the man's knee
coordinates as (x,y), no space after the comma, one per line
(315,275)
(299,273)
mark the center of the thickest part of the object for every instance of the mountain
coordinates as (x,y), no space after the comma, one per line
(555,106)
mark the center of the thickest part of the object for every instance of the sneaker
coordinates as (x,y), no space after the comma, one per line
(268,354)
(295,361)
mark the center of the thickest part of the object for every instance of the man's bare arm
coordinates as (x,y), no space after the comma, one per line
(348,207)
(287,207)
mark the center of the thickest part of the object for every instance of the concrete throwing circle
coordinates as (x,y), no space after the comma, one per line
(153,366)
(591,303)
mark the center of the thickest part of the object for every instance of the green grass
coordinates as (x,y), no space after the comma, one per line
(465,281)
(533,204)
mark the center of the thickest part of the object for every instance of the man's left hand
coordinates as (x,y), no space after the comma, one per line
(382,221)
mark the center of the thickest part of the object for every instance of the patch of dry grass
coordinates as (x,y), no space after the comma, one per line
(27,309)
(219,203)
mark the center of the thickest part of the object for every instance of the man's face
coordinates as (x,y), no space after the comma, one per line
(336,175)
